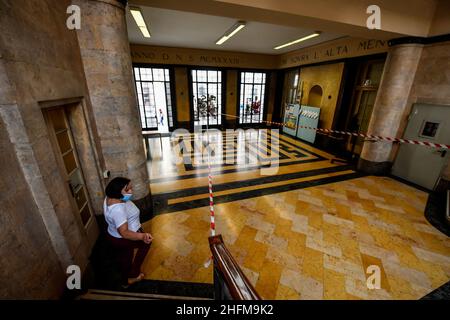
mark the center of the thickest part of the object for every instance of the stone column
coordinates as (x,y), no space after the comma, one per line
(391,107)
(107,65)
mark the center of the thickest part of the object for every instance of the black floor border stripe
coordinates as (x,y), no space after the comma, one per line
(234,170)
(252,182)
(254,193)
(190,167)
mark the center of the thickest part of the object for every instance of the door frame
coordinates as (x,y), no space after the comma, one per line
(61,167)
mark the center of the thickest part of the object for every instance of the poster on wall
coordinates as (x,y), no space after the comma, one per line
(309,117)
(291,119)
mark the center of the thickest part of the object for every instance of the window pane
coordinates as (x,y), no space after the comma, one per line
(80,197)
(158,75)
(57,119)
(146,74)
(69,162)
(63,141)
(85,214)
(201,74)
(212,76)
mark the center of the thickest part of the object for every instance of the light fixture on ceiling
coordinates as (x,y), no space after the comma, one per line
(313,35)
(139,19)
(231,32)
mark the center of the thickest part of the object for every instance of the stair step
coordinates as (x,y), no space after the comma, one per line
(94,294)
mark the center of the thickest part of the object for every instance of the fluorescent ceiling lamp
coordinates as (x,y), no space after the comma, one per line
(315,34)
(139,19)
(231,32)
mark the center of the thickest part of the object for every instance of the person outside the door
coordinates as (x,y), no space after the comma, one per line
(161,117)
(124,231)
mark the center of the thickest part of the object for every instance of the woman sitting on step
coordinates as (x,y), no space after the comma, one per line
(124,229)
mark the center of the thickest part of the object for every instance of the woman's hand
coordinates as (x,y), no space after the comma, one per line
(147,238)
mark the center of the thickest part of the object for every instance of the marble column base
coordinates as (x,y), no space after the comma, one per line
(443,185)
(374,168)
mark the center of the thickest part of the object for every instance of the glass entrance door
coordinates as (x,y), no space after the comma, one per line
(207,97)
(154,98)
(252,97)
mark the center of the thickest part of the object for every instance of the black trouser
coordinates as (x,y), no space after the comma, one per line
(129,267)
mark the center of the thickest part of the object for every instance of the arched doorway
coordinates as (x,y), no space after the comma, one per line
(315,96)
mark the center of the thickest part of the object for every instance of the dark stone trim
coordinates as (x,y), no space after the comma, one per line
(184,125)
(164,207)
(174,288)
(419,40)
(409,183)
(374,168)
(443,185)
(253,182)
(441,293)
(435,211)
(150,135)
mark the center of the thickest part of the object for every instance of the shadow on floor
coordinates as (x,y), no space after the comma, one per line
(107,277)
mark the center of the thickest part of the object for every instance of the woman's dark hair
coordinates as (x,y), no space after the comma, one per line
(114,188)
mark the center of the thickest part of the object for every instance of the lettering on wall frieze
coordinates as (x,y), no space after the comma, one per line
(179,58)
(340,49)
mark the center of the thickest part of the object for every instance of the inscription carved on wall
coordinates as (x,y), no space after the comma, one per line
(197,57)
(339,49)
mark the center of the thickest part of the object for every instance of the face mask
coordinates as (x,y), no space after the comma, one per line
(127,196)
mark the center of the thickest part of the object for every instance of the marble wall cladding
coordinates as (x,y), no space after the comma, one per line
(432,81)
(107,64)
(391,105)
(412,75)
(39,62)
(328,77)
(23,234)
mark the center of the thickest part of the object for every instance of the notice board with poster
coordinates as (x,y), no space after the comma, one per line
(309,117)
(291,114)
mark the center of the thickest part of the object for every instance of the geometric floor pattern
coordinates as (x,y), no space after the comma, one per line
(312,243)
(244,165)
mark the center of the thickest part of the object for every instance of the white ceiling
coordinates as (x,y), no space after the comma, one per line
(173,28)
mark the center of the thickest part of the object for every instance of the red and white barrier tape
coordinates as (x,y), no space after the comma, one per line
(363,135)
(211,200)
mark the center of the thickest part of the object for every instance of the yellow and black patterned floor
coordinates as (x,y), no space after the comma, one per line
(243,164)
(309,230)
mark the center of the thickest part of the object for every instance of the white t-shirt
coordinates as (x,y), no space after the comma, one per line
(119,213)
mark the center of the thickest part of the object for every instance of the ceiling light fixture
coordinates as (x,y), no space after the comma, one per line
(231,32)
(139,19)
(315,34)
